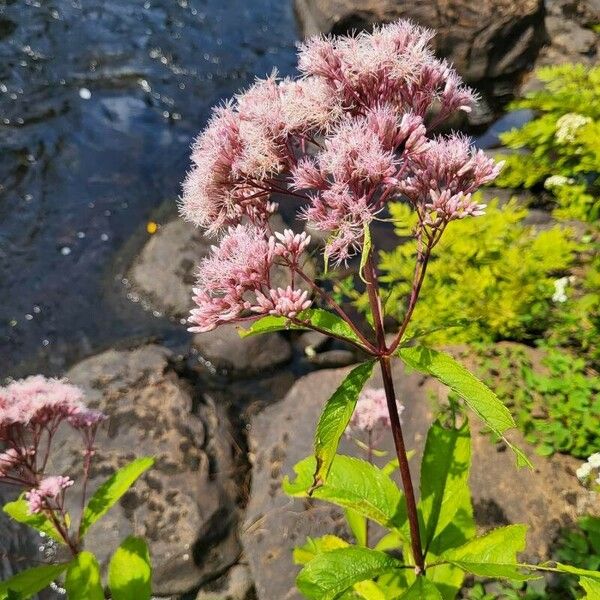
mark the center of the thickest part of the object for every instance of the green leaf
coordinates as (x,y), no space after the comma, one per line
(315,546)
(422,589)
(591,587)
(369,590)
(19,511)
(492,555)
(130,571)
(83,578)
(112,490)
(486,405)
(594,575)
(358,526)
(444,477)
(352,483)
(332,573)
(318,317)
(367,244)
(335,418)
(31,581)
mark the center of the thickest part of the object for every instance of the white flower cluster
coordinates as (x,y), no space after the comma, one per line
(555,181)
(568,125)
(560,288)
(589,472)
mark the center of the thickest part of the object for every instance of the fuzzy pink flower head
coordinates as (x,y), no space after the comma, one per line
(49,488)
(355,153)
(394,64)
(230,276)
(444,177)
(217,191)
(371,411)
(37,400)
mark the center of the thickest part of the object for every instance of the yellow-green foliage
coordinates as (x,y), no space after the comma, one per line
(560,149)
(494,271)
(577,324)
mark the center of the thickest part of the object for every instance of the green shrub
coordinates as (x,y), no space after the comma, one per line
(557,408)
(577,321)
(560,149)
(496,272)
(578,545)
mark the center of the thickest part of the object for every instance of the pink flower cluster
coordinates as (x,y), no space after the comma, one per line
(341,141)
(31,410)
(371,411)
(235,279)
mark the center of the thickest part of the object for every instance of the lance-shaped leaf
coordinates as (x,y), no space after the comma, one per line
(31,581)
(130,572)
(353,483)
(335,418)
(83,578)
(19,511)
(317,317)
(422,589)
(591,588)
(588,580)
(330,574)
(444,477)
(314,546)
(112,490)
(486,405)
(492,555)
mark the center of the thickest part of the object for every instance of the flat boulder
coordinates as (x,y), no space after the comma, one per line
(184,506)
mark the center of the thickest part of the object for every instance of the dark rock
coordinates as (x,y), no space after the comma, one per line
(235,585)
(224,350)
(184,506)
(311,342)
(163,273)
(571,38)
(282,435)
(332,359)
(491,43)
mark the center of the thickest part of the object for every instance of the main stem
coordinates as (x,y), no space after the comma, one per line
(409,492)
(370,274)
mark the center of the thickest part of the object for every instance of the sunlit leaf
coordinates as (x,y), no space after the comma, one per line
(83,578)
(332,573)
(19,511)
(130,571)
(112,490)
(352,483)
(31,581)
(335,418)
(486,405)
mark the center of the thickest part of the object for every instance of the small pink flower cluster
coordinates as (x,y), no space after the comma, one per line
(371,411)
(235,279)
(31,410)
(343,140)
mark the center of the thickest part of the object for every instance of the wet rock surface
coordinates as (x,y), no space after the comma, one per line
(545,499)
(491,43)
(224,350)
(185,505)
(163,273)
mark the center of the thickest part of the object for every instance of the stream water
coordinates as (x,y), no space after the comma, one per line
(99,101)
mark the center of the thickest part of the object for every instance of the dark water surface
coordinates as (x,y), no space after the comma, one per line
(99,101)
